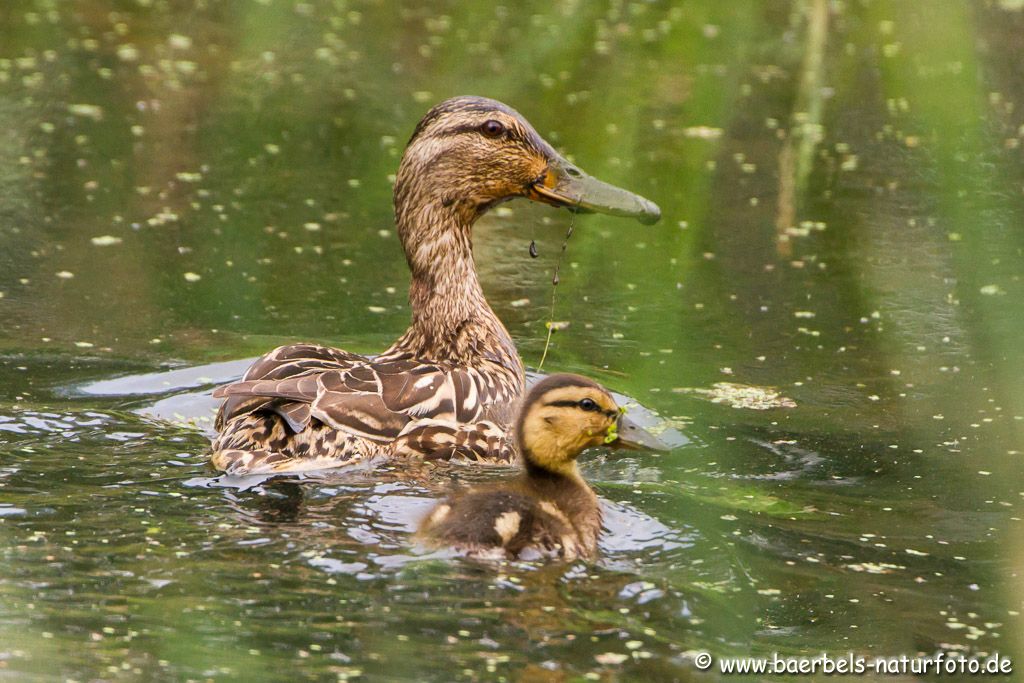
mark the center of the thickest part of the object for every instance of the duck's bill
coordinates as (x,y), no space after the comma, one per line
(567,186)
(634,437)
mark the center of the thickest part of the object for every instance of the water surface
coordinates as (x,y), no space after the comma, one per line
(187,184)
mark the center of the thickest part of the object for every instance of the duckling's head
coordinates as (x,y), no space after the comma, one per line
(471,153)
(560,416)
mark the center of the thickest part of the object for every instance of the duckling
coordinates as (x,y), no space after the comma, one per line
(548,510)
(448,386)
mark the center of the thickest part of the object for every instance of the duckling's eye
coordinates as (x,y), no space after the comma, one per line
(492,128)
(589,405)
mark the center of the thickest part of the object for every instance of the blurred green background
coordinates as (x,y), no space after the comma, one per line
(184,182)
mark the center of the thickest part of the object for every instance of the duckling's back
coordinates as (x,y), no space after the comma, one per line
(508,522)
(481,522)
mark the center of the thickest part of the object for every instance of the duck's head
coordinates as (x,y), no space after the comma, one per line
(473,152)
(562,415)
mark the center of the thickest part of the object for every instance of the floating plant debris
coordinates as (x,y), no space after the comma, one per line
(742,396)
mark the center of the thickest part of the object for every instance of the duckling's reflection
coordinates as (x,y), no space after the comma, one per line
(573,607)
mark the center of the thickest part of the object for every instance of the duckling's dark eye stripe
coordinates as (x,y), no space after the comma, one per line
(563,404)
(579,404)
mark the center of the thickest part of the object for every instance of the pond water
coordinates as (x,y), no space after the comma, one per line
(829,316)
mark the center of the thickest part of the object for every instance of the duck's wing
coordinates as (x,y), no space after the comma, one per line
(285,362)
(375,400)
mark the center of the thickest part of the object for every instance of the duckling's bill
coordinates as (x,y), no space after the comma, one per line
(565,185)
(632,436)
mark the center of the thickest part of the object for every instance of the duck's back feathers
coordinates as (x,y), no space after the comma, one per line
(292,362)
(402,405)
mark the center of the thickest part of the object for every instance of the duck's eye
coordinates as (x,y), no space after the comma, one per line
(589,405)
(492,128)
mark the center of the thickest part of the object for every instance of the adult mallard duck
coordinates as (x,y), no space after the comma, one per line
(549,510)
(449,385)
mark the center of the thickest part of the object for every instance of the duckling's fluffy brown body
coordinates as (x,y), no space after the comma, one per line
(548,510)
(527,518)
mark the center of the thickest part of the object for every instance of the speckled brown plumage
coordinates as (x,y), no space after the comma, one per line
(549,510)
(449,385)
(304,407)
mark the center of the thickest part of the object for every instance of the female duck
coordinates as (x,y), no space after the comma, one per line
(549,510)
(448,385)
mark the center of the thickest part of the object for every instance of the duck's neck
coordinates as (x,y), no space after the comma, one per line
(451,319)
